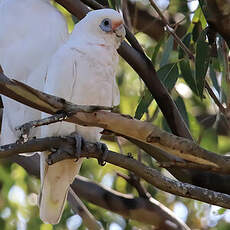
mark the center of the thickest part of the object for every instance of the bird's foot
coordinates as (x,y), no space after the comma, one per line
(65,151)
(103,149)
(79,143)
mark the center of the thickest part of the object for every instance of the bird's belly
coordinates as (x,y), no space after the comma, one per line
(94,89)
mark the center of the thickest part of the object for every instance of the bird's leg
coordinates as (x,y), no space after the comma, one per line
(65,151)
(79,143)
(103,150)
(57,155)
(69,151)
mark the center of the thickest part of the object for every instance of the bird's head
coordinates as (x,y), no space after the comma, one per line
(107,24)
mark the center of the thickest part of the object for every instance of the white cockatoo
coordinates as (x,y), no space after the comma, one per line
(30,33)
(83,72)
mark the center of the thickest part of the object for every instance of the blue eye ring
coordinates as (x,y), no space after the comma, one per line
(106,25)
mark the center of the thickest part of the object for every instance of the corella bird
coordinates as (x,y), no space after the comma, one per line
(30,33)
(83,72)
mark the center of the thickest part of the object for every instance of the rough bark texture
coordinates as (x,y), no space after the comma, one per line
(52,104)
(154,177)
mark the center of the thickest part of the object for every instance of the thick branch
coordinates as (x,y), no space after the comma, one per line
(151,175)
(217,14)
(143,210)
(141,131)
(150,134)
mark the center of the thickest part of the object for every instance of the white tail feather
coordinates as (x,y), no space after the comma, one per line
(55,181)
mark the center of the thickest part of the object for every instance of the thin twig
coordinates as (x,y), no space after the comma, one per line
(119,144)
(78,206)
(134,181)
(126,15)
(227,72)
(215,99)
(171,31)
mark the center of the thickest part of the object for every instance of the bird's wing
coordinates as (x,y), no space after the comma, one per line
(116,94)
(56,178)
(27,42)
(82,74)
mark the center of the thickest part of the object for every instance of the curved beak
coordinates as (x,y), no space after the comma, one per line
(120,31)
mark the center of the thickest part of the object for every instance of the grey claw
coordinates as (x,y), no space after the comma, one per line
(103,149)
(79,144)
(63,152)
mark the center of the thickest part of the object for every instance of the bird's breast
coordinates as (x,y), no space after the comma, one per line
(95,74)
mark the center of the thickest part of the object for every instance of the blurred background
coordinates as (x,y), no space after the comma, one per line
(18,194)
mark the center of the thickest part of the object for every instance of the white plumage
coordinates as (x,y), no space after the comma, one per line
(83,72)
(30,33)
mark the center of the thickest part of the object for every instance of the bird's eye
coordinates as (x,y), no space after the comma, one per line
(106,22)
(106,25)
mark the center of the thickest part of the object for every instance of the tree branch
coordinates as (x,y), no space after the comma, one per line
(151,175)
(138,130)
(143,66)
(134,181)
(139,64)
(78,206)
(217,14)
(143,210)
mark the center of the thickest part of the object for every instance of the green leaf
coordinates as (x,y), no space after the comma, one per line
(198,16)
(204,8)
(181,107)
(167,50)
(112,4)
(214,79)
(188,75)
(202,62)
(184,65)
(115,4)
(143,104)
(156,50)
(168,75)
(196,31)
(209,139)
(186,40)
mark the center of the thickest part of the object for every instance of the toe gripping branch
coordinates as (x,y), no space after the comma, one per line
(74,146)
(103,150)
